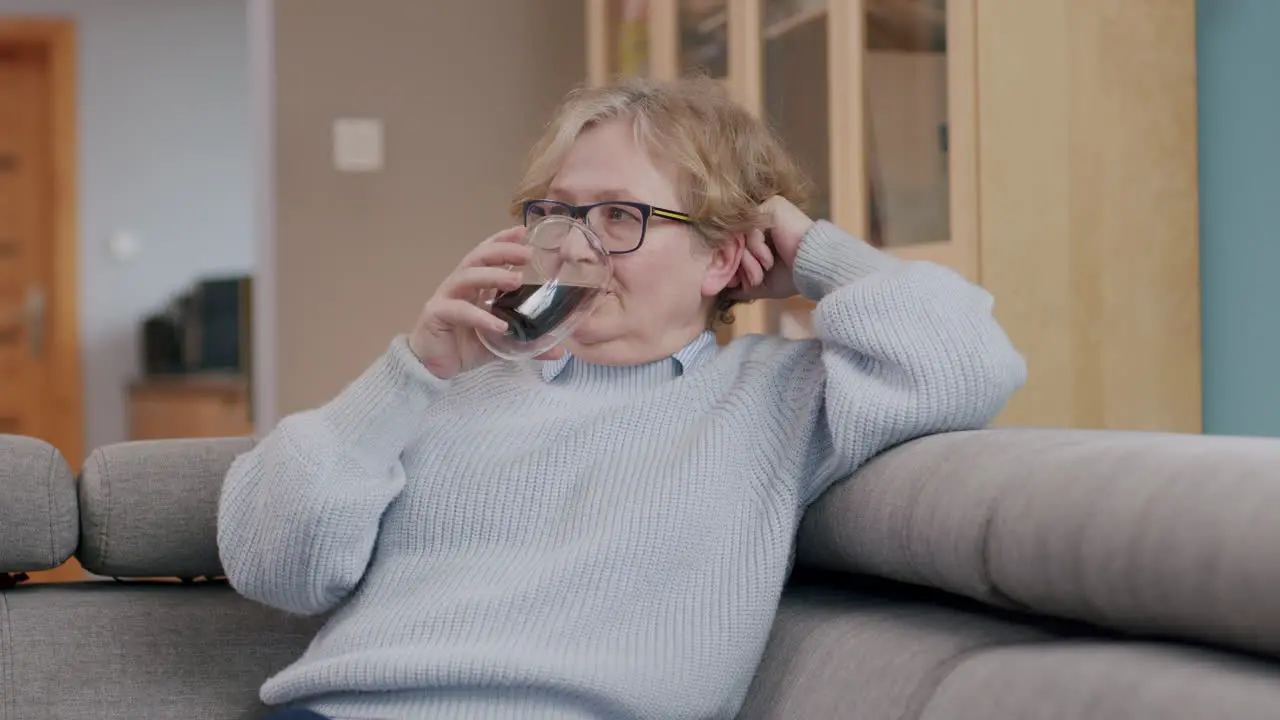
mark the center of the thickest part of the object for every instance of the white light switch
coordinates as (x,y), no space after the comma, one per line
(357,145)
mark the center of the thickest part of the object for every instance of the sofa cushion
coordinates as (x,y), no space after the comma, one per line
(880,651)
(38,526)
(1142,532)
(1072,681)
(150,508)
(141,651)
(868,652)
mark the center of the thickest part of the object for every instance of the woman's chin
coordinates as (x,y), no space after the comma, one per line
(599,326)
(590,332)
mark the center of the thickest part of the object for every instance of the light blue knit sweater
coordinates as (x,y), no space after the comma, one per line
(591,542)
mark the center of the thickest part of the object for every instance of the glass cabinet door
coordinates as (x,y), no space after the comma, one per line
(874,98)
(618,35)
(906,122)
(629,32)
(794,68)
(704,37)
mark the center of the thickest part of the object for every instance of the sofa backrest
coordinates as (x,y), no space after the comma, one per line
(39,521)
(1147,533)
(150,508)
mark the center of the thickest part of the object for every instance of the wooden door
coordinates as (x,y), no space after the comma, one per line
(39,350)
(25,165)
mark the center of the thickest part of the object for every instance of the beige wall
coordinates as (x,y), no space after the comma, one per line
(463,89)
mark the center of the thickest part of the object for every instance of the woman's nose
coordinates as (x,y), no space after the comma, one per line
(576,249)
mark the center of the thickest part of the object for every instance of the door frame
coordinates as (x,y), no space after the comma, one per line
(58,37)
(262,107)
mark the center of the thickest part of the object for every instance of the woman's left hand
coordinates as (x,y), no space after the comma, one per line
(766,270)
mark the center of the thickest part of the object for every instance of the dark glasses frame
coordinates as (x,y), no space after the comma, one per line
(579,212)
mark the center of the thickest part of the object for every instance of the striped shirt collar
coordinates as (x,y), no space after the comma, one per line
(702,349)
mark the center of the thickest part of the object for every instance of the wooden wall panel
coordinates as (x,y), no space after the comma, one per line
(1088,201)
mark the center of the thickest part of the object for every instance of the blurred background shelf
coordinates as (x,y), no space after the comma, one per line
(205,405)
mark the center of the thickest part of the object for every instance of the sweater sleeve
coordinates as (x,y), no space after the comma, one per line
(299,513)
(908,349)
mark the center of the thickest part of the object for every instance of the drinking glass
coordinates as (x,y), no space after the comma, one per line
(567,274)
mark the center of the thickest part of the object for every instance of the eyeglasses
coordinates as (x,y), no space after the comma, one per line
(620,225)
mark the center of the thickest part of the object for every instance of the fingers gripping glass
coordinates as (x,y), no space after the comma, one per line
(620,225)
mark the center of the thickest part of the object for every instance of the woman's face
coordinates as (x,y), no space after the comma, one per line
(661,293)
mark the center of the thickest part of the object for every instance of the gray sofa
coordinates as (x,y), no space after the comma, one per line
(985,575)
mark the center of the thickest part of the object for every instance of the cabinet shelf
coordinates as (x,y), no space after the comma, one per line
(797,19)
(712,22)
(908,25)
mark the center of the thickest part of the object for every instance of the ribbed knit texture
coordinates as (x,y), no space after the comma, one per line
(592,542)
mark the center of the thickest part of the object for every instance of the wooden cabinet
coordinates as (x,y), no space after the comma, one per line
(1033,146)
(189,407)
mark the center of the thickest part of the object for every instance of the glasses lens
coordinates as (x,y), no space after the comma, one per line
(620,227)
(539,209)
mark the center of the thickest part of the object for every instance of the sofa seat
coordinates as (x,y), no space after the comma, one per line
(871,650)
(144,651)
(866,649)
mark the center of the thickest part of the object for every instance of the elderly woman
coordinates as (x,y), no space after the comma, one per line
(604,533)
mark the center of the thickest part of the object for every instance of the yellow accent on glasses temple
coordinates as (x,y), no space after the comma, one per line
(671,215)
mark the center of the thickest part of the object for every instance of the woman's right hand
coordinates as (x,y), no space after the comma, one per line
(444,338)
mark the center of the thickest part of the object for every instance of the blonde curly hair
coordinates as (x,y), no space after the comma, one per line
(729,162)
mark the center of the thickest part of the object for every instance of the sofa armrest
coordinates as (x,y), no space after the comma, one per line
(1168,534)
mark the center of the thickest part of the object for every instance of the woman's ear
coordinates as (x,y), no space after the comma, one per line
(722,265)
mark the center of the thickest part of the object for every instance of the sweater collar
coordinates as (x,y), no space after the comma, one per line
(702,349)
